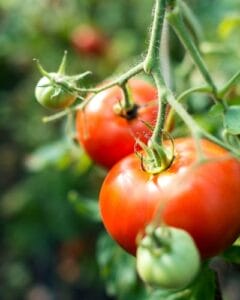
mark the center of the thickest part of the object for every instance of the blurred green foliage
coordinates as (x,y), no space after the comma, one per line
(52,243)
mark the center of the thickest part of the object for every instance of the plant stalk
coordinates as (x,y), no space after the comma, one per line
(174,18)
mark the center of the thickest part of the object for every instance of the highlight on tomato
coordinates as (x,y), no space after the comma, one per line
(203,198)
(167,258)
(108,136)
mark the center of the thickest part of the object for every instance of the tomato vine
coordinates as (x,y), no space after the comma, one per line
(158,158)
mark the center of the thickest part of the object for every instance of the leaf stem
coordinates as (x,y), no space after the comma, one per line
(195,129)
(174,18)
(232,81)
(121,80)
(152,65)
(128,102)
(165,55)
(170,115)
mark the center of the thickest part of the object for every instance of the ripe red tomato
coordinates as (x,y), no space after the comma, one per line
(108,137)
(88,40)
(202,199)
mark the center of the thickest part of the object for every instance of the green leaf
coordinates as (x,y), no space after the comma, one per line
(232,120)
(49,154)
(232,254)
(216,110)
(204,285)
(202,288)
(87,208)
(118,269)
(60,154)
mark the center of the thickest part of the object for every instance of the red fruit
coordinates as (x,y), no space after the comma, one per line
(203,199)
(89,40)
(108,137)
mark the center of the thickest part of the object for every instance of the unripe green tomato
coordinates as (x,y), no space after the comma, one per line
(52,97)
(171,266)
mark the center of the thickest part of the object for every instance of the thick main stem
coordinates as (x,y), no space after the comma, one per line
(154,46)
(165,55)
(162,93)
(152,65)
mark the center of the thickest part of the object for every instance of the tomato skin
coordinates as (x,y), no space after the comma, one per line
(47,97)
(204,200)
(172,267)
(89,41)
(108,137)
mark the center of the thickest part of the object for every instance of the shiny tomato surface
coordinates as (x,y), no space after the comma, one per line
(203,199)
(108,137)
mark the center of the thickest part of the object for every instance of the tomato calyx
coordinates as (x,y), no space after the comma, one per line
(126,107)
(155,157)
(126,113)
(167,258)
(56,90)
(157,243)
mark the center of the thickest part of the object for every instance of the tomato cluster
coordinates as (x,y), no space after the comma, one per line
(198,201)
(203,199)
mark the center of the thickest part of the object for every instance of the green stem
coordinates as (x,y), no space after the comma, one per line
(170,115)
(220,143)
(175,20)
(195,129)
(121,80)
(200,89)
(165,55)
(232,81)
(162,93)
(58,115)
(191,20)
(128,103)
(155,40)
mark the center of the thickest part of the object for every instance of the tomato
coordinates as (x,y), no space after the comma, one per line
(202,199)
(106,136)
(52,97)
(88,40)
(169,260)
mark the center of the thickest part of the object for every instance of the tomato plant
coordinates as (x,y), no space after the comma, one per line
(168,258)
(202,199)
(50,96)
(89,40)
(189,184)
(105,135)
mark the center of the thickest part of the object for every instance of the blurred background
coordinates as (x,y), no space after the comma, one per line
(53,245)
